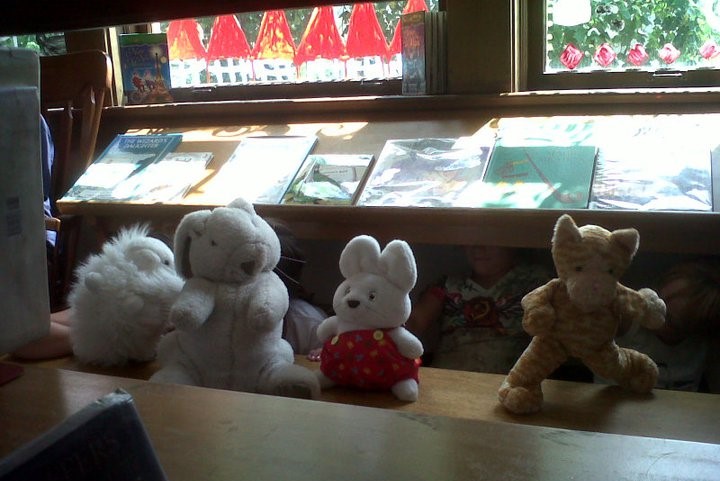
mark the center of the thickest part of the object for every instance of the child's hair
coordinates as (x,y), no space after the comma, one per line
(700,280)
(292,260)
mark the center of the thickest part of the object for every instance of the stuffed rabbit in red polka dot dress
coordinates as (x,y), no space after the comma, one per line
(365,343)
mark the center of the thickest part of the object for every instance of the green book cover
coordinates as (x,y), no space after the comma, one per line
(539,177)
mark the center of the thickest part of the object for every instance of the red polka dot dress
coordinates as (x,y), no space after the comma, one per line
(368,359)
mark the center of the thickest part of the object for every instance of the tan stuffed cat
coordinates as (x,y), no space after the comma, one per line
(578,313)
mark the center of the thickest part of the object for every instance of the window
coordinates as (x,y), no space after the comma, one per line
(354,44)
(43,43)
(637,43)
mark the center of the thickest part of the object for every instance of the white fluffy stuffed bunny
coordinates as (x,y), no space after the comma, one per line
(365,343)
(229,315)
(121,299)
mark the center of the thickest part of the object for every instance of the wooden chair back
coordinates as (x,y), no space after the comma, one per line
(73,89)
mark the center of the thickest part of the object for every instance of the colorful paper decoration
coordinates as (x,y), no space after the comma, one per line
(321,38)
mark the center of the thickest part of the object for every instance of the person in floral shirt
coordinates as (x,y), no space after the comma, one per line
(476,320)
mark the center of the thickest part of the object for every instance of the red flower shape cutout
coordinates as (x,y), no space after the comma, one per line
(668,53)
(709,50)
(571,56)
(605,55)
(637,55)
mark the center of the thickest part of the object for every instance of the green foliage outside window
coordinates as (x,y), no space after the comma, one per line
(653,24)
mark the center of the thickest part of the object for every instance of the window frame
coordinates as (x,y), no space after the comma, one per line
(533,78)
(213,92)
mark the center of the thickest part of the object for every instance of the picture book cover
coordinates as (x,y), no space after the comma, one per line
(260,169)
(542,177)
(104,440)
(415,33)
(145,68)
(655,162)
(166,180)
(126,156)
(329,179)
(428,172)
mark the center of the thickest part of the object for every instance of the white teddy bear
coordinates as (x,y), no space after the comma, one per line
(365,343)
(121,300)
(229,315)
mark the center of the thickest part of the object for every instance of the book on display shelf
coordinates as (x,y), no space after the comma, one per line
(644,162)
(539,177)
(656,162)
(333,179)
(260,169)
(126,156)
(166,180)
(428,172)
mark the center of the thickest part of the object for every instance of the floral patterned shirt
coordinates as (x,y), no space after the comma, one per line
(481,329)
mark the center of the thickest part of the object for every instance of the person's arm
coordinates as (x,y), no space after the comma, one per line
(55,344)
(426,312)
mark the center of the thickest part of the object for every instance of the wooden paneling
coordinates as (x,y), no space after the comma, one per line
(479,46)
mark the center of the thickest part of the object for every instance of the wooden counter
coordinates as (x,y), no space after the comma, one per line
(473,396)
(203,434)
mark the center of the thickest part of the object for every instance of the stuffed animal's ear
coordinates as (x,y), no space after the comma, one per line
(566,231)
(144,258)
(397,264)
(361,254)
(243,204)
(192,226)
(626,239)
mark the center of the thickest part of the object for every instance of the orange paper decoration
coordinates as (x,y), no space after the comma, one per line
(274,40)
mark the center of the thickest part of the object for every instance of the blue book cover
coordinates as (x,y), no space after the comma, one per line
(145,68)
(125,157)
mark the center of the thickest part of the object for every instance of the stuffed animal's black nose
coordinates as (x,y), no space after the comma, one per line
(353,303)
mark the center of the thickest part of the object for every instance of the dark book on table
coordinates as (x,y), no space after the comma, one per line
(126,156)
(145,68)
(106,440)
(539,177)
